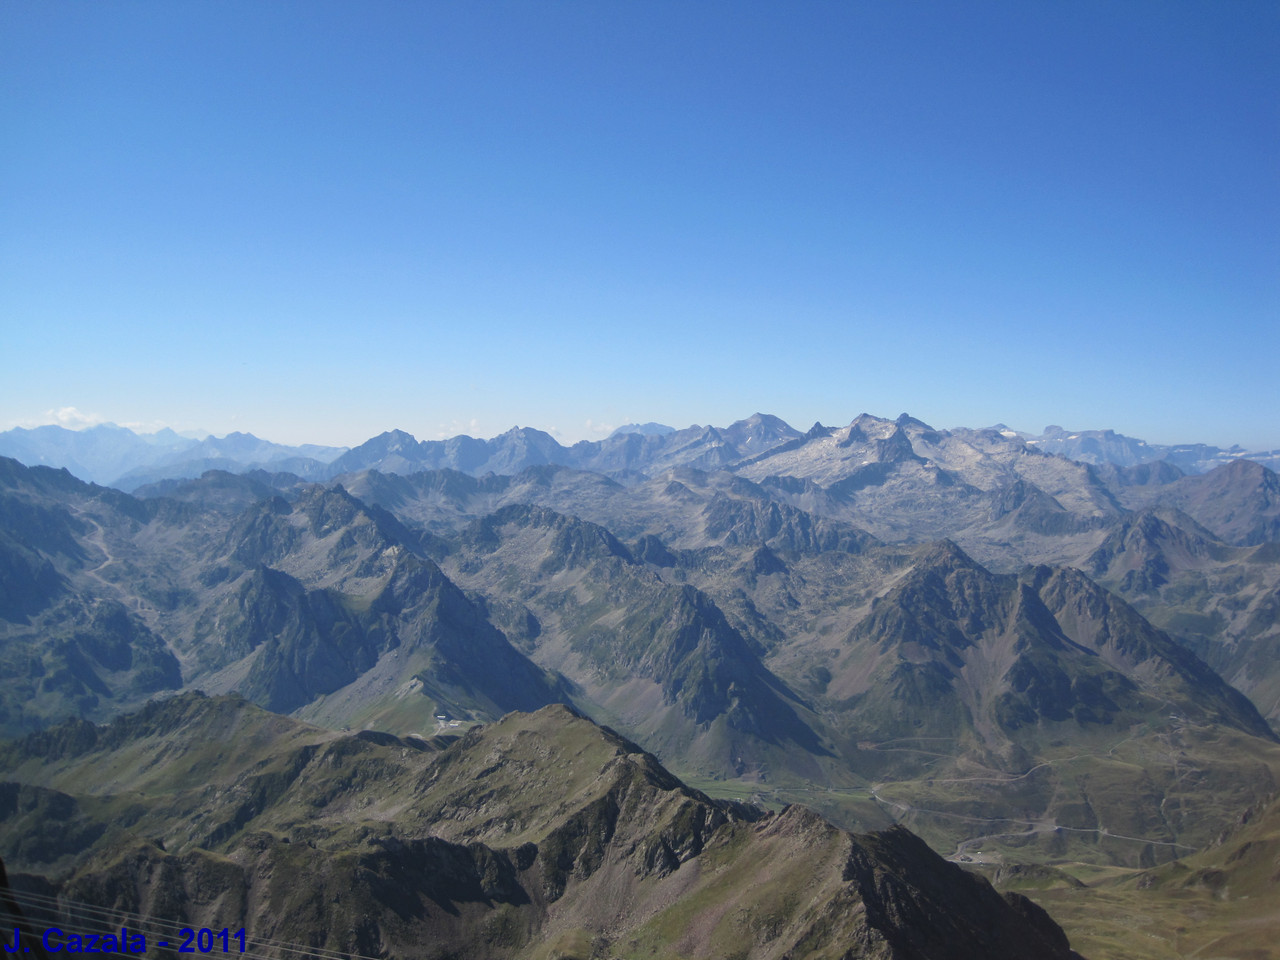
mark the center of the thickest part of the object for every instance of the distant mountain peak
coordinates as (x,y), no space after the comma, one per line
(906,420)
(391,440)
(649,429)
(527,432)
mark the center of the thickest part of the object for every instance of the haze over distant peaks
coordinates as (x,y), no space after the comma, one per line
(649,429)
(117,456)
(1107,446)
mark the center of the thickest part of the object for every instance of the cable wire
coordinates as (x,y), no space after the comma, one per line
(153,928)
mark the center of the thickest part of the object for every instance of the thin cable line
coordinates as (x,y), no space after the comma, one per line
(147,923)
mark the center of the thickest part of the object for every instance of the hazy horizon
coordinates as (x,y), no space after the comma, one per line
(603,430)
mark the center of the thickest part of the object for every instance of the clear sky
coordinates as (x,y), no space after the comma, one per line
(316,221)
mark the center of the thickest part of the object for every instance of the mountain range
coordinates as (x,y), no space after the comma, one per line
(1030,660)
(116,456)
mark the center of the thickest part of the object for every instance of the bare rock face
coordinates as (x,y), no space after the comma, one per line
(924,909)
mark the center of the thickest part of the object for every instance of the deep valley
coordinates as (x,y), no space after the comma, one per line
(670,694)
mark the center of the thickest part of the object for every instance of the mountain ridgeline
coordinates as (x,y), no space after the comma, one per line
(541,835)
(1024,658)
(117,456)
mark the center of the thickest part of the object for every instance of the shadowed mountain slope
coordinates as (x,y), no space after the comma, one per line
(538,836)
(69,645)
(1221,601)
(962,649)
(321,603)
(1239,502)
(735,636)
(1000,712)
(658,656)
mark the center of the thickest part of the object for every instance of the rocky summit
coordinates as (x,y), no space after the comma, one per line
(541,835)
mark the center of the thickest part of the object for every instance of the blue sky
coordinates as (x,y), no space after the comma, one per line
(315,221)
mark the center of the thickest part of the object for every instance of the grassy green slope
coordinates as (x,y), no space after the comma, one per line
(1222,903)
